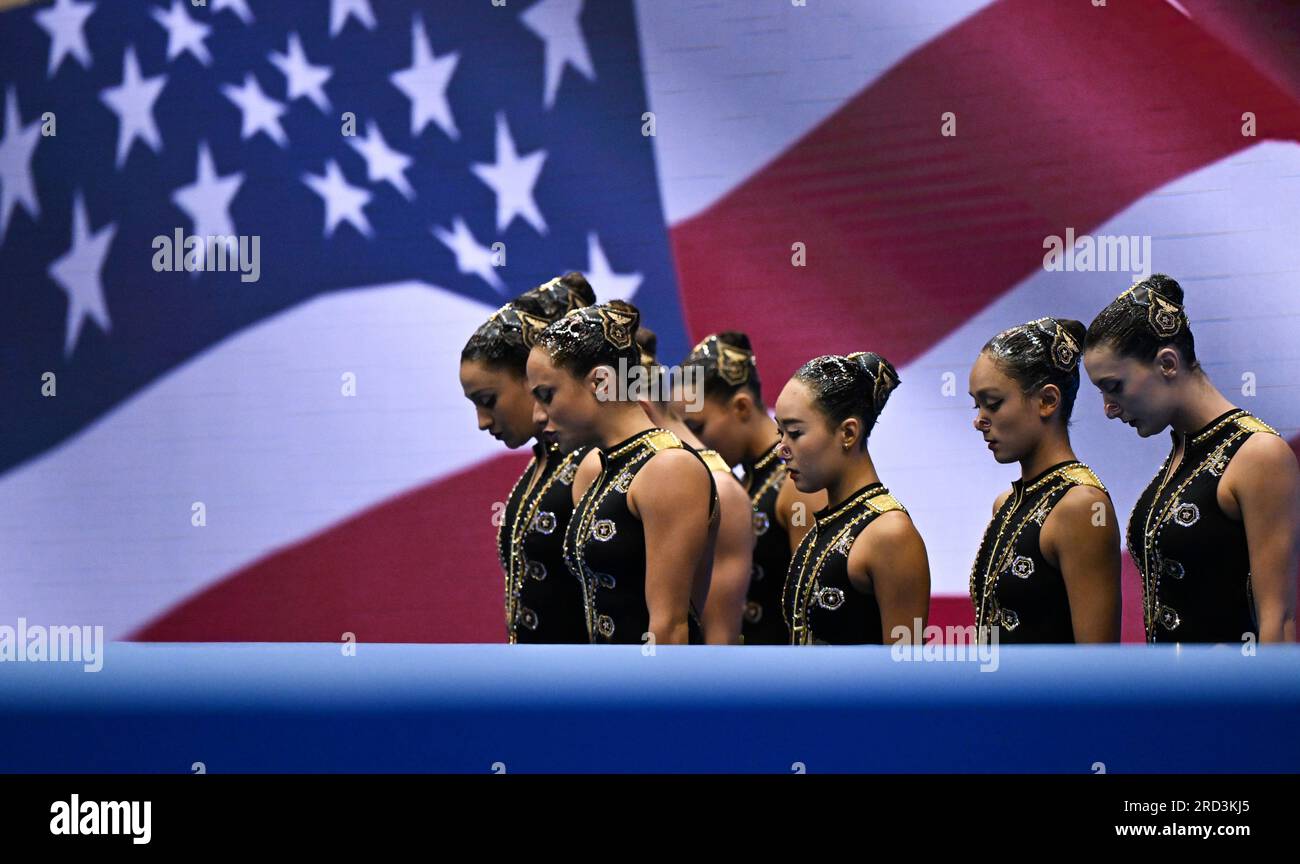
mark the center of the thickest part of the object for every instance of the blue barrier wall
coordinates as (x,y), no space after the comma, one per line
(466,708)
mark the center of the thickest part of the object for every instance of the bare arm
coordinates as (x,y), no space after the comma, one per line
(1265,481)
(888,559)
(733,561)
(795,509)
(1081,538)
(670,496)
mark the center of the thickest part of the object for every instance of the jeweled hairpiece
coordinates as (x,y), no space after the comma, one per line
(1164,316)
(616,325)
(510,319)
(1046,335)
(1064,350)
(733,363)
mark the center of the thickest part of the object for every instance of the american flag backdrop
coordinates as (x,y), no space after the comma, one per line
(192,456)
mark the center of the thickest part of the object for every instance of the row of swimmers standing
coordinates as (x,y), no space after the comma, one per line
(713,520)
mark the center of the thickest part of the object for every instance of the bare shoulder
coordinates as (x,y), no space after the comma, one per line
(1265,454)
(1076,514)
(894,526)
(673,470)
(1081,501)
(1000,500)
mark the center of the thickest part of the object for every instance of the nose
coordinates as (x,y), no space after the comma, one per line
(540,417)
(982,423)
(1112,410)
(783,450)
(484,420)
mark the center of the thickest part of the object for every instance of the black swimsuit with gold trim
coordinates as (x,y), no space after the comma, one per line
(543,600)
(820,604)
(1012,585)
(1194,560)
(763,623)
(605,544)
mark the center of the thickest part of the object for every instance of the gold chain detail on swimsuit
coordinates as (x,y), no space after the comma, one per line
(1075,473)
(528,506)
(796,613)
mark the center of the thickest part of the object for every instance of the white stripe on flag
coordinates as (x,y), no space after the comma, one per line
(734,83)
(99,529)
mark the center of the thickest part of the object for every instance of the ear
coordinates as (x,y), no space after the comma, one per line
(850,432)
(1049,400)
(1168,362)
(742,406)
(600,380)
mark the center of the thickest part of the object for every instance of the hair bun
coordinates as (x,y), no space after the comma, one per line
(648,342)
(736,339)
(1076,329)
(1165,286)
(883,375)
(558,297)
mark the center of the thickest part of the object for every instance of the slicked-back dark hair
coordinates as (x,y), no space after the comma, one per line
(1144,319)
(1039,353)
(852,385)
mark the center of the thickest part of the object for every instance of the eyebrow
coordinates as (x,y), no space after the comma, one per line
(983,391)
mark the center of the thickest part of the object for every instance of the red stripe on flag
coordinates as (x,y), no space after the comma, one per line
(395,573)
(1065,114)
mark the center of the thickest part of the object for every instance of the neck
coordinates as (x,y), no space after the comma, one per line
(1203,402)
(662,415)
(761,439)
(1052,450)
(860,472)
(624,420)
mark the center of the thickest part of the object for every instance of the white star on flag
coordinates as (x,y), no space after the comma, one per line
(65,21)
(77,273)
(16,149)
(239,7)
(260,112)
(470,256)
(132,101)
(556,22)
(342,201)
(183,33)
(342,10)
(512,178)
(603,279)
(425,83)
(304,79)
(206,202)
(383,164)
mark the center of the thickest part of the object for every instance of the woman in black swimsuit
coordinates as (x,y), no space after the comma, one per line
(730,417)
(543,602)
(733,554)
(1215,532)
(861,573)
(1048,567)
(642,534)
